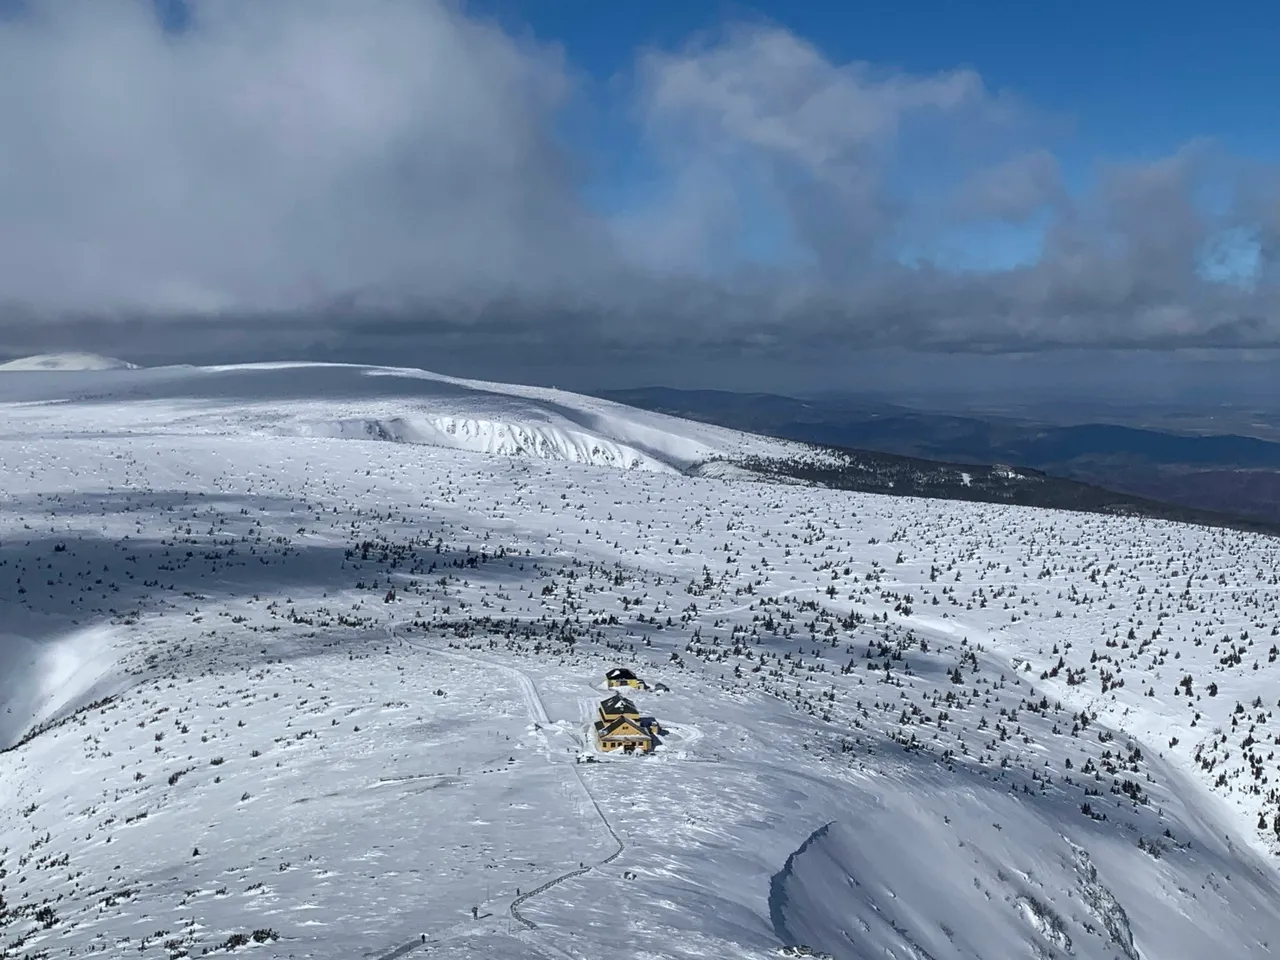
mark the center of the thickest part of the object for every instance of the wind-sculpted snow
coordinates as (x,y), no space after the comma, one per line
(543,441)
(42,680)
(975,873)
(279,677)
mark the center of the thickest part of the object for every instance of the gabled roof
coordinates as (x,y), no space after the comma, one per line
(618,704)
(622,728)
(620,673)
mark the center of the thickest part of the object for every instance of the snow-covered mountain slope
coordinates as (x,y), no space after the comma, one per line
(65,362)
(271,687)
(383,403)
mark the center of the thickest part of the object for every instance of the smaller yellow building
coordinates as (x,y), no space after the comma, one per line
(622,677)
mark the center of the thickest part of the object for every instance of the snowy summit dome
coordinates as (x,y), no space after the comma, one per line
(66,361)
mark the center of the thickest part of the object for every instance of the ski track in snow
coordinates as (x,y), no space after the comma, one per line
(538,714)
(264,673)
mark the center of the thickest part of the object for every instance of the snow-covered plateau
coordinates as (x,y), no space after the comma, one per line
(300,660)
(65,362)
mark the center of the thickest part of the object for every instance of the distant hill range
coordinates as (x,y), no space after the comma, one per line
(1105,467)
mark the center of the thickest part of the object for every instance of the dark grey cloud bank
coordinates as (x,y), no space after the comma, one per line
(386,181)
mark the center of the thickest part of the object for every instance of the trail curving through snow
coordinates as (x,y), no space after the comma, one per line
(538,714)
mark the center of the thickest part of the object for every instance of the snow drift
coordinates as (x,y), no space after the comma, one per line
(545,441)
(41,681)
(979,872)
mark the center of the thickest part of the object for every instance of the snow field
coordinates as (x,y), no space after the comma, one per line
(897,727)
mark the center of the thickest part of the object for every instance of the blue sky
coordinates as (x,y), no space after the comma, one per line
(1109,82)
(1130,78)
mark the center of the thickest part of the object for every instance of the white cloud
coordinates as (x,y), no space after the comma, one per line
(275,154)
(1014,190)
(813,140)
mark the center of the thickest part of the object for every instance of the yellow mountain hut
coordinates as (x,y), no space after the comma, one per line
(620,727)
(622,677)
(624,734)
